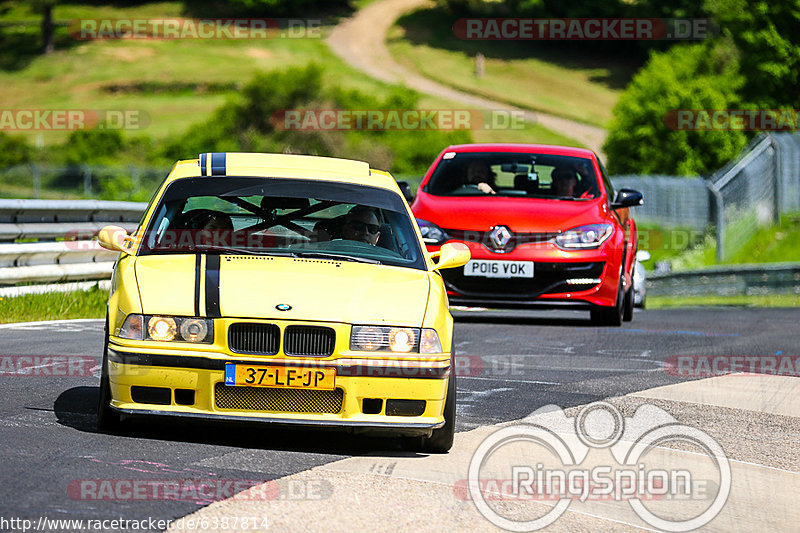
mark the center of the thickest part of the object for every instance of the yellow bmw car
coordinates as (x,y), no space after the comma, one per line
(283,289)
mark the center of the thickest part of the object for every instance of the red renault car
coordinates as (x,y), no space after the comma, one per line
(543,223)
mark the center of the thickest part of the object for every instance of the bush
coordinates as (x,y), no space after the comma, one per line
(92,146)
(249,124)
(13,150)
(699,76)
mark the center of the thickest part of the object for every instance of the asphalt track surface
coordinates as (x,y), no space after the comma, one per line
(512,363)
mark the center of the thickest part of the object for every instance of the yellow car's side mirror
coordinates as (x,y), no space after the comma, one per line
(451,255)
(114,238)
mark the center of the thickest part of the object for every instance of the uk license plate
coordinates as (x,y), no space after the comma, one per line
(280,377)
(499,269)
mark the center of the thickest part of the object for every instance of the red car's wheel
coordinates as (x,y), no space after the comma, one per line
(627,307)
(610,315)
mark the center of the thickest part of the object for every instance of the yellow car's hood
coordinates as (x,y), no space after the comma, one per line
(316,290)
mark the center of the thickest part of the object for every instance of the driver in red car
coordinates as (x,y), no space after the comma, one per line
(564,181)
(480,175)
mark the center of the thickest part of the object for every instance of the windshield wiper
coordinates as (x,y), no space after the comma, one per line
(326,255)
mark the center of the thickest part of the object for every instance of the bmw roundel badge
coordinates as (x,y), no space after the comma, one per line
(283,307)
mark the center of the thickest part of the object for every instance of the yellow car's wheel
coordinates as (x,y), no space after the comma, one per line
(441,440)
(107,418)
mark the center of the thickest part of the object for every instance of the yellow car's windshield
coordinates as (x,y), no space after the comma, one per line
(293,217)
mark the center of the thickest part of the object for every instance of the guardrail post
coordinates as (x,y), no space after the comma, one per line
(720,219)
(37,180)
(87,181)
(136,179)
(778,169)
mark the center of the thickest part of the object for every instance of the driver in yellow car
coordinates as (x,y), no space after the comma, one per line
(361,224)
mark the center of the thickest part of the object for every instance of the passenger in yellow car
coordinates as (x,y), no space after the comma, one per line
(361,224)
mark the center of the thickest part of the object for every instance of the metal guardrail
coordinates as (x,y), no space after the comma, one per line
(78,259)
(752,279)
(63,252)
(59,219)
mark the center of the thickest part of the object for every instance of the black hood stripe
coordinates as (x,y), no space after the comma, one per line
(212,286)
(197,273)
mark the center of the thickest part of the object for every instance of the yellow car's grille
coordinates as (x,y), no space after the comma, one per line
(309,340)
(262,339)
(277,400)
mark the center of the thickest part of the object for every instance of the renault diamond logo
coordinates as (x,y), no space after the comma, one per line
(283,307)
(500,235)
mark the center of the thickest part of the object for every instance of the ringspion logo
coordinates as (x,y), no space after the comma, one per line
(599,454)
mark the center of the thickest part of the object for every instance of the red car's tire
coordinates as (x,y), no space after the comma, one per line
(610,315)
(627,306)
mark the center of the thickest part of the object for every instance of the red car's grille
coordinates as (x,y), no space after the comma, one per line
(548,278)
(484,238)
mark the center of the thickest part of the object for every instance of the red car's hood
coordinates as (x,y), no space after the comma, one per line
(521,215)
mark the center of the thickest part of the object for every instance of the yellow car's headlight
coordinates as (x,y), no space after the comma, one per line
(429,343)
(167,328)
(394,339)
(161,328)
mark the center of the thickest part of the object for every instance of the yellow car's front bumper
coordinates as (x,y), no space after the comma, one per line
(401,396)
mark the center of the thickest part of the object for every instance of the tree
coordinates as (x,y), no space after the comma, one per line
(767,36)
(686,77)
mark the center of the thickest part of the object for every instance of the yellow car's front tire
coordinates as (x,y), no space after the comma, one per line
(107,418)
(441,440)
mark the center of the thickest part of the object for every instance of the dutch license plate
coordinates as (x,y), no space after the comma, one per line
(499,269)
(284,377)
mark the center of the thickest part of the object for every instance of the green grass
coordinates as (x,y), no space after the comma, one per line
(54,306)
(773,244)
(692,250)
(761,300)
(110,75)
(549,78)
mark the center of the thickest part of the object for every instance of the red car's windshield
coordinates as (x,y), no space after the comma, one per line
(514,174)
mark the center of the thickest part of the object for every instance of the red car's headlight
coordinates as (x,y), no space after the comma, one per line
(588,236)
(431,233)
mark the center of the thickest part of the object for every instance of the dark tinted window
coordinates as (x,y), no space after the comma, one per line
(514,174)
(283,217)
